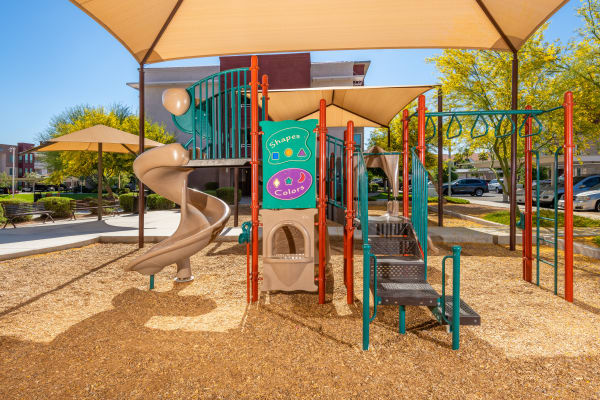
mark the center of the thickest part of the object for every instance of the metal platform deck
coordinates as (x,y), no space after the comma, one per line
(219,163)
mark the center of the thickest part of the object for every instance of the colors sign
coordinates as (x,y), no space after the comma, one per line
(289,183)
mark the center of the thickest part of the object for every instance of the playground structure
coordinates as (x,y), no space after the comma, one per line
(299,192)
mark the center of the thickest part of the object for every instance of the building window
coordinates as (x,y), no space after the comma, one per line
(10,171)
(20,171)
(20,157)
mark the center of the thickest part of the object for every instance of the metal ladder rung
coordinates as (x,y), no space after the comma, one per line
(543,239)
(548,219)
(547,262)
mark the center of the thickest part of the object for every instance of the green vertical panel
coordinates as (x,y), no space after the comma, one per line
(289,166)
(419,203)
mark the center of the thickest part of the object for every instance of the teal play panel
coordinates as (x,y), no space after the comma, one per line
(289,164)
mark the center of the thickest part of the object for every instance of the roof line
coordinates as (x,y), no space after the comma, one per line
(160,33)
(498,29)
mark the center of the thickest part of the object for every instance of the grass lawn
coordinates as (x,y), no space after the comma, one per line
(596,241)
(503,217)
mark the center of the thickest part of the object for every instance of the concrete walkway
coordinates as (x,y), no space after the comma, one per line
(42,238)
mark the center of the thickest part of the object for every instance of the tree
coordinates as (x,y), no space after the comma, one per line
(85,163)
(581,75)
(481,80)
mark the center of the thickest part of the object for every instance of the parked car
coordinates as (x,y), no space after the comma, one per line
(544,186)
(474,187)
(580,184)
(588,200)
(495,185)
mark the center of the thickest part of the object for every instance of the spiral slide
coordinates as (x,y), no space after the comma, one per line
(203,217)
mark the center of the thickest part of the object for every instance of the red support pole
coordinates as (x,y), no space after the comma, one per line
(527,230)
(349,228)
(265,92)
(568,196)
(254,171)
(421,125)
(322,197)
(405,150)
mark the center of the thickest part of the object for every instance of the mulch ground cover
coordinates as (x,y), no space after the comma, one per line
(74,325)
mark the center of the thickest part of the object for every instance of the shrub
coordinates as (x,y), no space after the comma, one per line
(211,186)
(373,187)
(124,190)
(94,202)
(126,201)
(157,202)
(15,201)
(60,205)
(226,194)
(596,240)
(456,200)
(211,192)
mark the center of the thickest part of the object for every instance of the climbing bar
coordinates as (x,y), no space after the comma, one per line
(531,133)
(488,112)
(499,126)
(375,297)
(429,120)
(487,127)
(452,120)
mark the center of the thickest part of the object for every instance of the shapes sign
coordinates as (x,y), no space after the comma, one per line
(297,182)
(287,145)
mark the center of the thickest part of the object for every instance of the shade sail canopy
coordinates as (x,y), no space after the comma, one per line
(373,106)
(160,30)
(113,141)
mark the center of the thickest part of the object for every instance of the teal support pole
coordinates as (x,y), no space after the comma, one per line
(455,297)
(402,320)
(151,282)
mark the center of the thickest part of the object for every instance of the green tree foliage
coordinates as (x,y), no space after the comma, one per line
(581,74)
(85,163)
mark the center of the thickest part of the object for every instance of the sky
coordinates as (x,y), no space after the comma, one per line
(55,57)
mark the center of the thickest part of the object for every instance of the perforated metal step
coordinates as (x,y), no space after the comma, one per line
(407,293)
(468,316)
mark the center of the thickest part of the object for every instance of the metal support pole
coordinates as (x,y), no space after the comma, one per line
(440,160)
(405,166)
(322,197)
(389,137)
(100,173)
(349,228)
(568,195)
(421,129)
(14,169)
(142,135)
(236,200)
(513,153)
(527,229)
(264,88)
(254,166)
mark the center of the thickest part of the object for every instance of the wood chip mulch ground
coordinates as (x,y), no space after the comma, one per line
(74,325)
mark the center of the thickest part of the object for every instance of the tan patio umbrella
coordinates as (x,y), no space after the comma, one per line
(100,138)
(366,106)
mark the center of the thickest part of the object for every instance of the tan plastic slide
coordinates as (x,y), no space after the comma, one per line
(202,216)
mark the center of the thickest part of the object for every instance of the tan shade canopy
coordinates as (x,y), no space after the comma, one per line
(197,28)
(113,141)
(372,106)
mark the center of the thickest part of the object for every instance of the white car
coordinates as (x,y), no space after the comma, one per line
(589,200)
(495,185)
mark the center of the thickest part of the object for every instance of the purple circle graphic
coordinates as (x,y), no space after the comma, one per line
(289,183)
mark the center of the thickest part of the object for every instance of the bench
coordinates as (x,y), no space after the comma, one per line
(83,205)
(13,211)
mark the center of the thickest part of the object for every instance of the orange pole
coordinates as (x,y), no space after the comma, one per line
(421,138)
(405,150)
(568,196)
(349,228)
(322,198)
(254,171)
(527,230)
(265,93)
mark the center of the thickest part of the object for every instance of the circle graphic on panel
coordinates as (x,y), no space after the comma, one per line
(289,183)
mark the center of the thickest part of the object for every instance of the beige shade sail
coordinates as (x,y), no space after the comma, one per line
(160,30)
(113,141)
(372,106)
